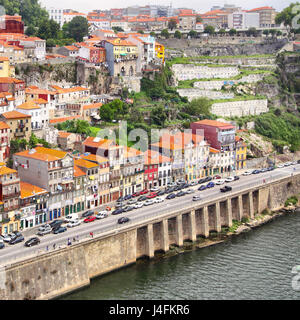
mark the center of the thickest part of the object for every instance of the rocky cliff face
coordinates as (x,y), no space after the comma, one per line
(196,47)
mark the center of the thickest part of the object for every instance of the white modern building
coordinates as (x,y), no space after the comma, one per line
(243,20)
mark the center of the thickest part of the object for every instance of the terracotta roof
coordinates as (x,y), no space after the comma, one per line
(131,152)
(63,134)
(29,105)
(120,42)
(213,150)
(15,115)
(78,172)
(63,119)
(30,190)
(6,170)
(85,163)
(4,59)
(261,8)
(96,142)
(66,90)
(71,48)
(214,123)
(94,157)
(10,80)
(43,154)
(154,157)
(36,90)
(92,106)
(4,125)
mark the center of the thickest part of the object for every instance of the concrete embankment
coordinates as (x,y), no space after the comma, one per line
(64,270)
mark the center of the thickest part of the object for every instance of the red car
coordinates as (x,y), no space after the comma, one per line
(217,177)
(144,192)
(136,194)
(90,219)
(152,195)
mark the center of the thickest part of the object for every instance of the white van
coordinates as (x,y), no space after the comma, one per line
(71,216)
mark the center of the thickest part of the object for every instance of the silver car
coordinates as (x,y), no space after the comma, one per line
(138,205)
(44,231)
(73,223)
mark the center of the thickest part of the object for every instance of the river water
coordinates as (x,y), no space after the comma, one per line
(254,265)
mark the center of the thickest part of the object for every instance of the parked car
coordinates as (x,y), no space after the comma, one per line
(247,173)
(181,194)
(271,168)
(160,193)
(189,191)
(2,245)
(142,198)
(102,215)
(159,200)
(196,198)
(154,189)
(128,197)
(138,205)
(201,181)
(151,195)
(280,165)
(217,177)
(44,226)
(193,183)
(148,202)
(236,178)
(8,237)
(210,185)
(123,220)
(119,205)
(16,239)
(46,230)
(56,223)
(226,189)
(256,171)
(132,201)
(229,179)
(220,181)
(117,211)
(180,181)
(87,214)
(171,196)
(201,188)
(32,242)
(136,194)
(145,191)
(128,208)
(89,219)
(59,230)
(120,199)
(207,179)
(171,184)
(72,216)
(73,223)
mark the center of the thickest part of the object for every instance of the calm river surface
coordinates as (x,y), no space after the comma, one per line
(255,265)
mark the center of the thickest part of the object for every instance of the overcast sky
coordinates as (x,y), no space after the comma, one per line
(199,5)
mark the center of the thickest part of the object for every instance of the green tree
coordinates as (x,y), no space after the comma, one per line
(141,31)
(158,116)
(222,32)
(286,16)
(200,106)
(164,33)
(50,43)
(199,19)
(252,32)
(172,24)
(192,34)
(82,127)
(209,29)
(232,32)
(30,31)
(78,28)
(117,29)
(266,32)
(106,113)
(152,34)
(33,141)
(177,34)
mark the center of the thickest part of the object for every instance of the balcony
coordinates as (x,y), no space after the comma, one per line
(11,195)
(20,134)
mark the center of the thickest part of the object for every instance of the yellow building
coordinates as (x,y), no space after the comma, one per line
(160,51)
(240,153)
(6,70)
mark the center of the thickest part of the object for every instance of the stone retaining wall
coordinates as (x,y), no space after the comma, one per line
(194,93)
(240,108)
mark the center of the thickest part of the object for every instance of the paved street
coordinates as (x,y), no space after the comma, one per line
(12,252)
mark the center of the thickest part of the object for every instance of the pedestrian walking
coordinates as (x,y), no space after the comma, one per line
(47,248)
(69,242)
(92,234)
(74,239)
(54,246)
